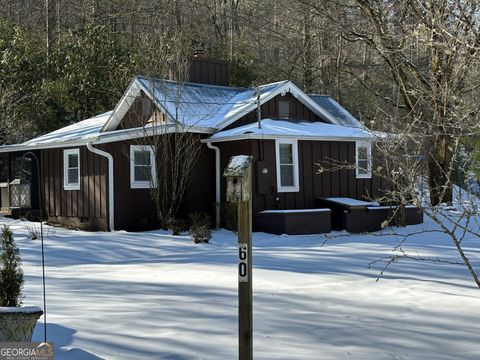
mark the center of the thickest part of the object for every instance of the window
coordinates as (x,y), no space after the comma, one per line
(71,169)
(3,167)
(363,156)
(142,167)
(284,109)
(287,166)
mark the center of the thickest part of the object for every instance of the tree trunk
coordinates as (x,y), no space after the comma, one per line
(440,165)
(50,8)
(178,14)
(307,51)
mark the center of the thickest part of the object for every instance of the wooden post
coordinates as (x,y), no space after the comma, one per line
(239,190)
(245,313)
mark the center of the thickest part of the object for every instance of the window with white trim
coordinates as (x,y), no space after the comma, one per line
(287,165)
(71,169)
(284,109)
(363,159)
(142,167)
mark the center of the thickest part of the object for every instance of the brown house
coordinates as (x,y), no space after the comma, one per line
(96,173)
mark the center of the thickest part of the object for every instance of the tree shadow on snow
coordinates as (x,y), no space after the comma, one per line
(62,337)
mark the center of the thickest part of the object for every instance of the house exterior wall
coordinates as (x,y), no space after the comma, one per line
(269,110)
(135,209)
(338,182)
(85,208)
(132,206)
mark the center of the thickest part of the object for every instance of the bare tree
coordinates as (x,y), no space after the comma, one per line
(430,48)
(405,157)
(170,133)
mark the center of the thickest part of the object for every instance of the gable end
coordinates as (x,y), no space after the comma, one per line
(271,110)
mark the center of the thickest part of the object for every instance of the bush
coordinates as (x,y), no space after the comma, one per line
(200,227)
(177,226)
(11,275)
(32,230)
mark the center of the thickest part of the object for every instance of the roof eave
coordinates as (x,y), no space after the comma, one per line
(279,136)
(122,106)
(104,138)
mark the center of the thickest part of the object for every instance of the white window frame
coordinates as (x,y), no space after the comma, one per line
(368,146)
(67,185)
(296,182)
(143,184)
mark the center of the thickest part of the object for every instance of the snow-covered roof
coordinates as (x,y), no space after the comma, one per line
(86,129)
(336,110)
(69,135)
(206,109)
(208,106)
(237,165)
(79,134)
(201,104)
(272,128)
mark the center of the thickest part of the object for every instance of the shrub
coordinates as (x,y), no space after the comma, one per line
(11,275)
(177,226)
(32,230)
(200,227)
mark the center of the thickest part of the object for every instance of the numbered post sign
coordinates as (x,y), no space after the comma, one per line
(242,262)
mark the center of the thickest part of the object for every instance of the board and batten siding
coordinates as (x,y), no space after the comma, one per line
(339,182)
(208,71)
(135,209)
(85,208)
(270,110)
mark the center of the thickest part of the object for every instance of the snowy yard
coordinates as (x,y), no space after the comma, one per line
(152,296)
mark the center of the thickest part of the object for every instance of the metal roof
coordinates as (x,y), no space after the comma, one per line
(200,107)
(201,104)
(281,128)
(336,110)
(207,106)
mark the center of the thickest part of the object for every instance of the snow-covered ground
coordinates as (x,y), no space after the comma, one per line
(153,296)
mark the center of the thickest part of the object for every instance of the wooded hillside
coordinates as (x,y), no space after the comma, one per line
(64,60)
(396,65)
